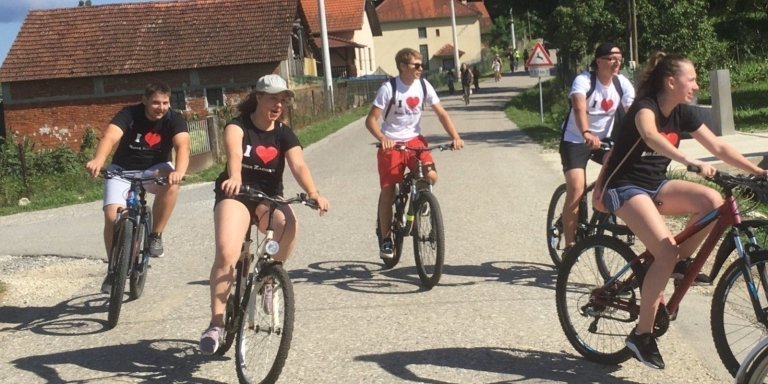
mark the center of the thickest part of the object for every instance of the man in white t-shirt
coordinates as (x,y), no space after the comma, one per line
(401,108)
(596,97)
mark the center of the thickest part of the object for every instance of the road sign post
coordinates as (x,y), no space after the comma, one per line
(539,64)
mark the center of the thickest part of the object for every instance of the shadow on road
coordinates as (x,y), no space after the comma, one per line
(529,364)
(68,318)
(148,360)
(370,277)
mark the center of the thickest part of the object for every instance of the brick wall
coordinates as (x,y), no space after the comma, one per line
(58,112)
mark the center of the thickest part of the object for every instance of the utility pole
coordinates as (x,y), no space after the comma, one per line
(326,56)
(455,45)
(634,31)
(512,27)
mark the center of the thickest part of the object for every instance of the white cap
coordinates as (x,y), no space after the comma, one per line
(273,84)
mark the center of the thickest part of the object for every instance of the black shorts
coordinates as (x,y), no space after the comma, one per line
(577,155)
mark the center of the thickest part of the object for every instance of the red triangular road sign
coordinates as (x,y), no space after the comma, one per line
(539,57)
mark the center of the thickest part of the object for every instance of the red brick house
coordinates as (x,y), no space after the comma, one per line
(72,69)
(351,26)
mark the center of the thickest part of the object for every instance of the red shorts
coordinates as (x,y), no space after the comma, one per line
(392,162)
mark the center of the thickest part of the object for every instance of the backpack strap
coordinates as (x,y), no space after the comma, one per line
(393,83)
(592,83)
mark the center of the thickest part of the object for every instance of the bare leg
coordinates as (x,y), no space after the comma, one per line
(231,221)
(574,181)
(386,199)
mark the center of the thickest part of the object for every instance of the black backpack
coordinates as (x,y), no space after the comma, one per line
(393,83)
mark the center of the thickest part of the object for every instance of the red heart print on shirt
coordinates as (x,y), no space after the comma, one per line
(412,102)
(266,154)
(606,104)
(672,137)
(152,138)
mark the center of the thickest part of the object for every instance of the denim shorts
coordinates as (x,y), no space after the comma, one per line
(614,198)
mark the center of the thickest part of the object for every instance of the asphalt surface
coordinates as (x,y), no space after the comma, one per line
(492,318)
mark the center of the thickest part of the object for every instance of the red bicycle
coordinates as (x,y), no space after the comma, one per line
(597,310)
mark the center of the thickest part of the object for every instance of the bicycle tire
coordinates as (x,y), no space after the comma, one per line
(734,309)
(755,370)
(232,315)
(397,232)
(141,265)
(428,239)
(555,240)
(596,332)
(265,324)
(121,254)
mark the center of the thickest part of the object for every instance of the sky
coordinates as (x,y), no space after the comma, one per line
(13,12)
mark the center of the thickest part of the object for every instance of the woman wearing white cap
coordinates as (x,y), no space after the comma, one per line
(258,147)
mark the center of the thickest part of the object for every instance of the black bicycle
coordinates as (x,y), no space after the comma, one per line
(598,223)
(129,257)
(260,307)
(417,214)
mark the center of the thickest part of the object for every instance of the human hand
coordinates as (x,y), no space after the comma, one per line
(94,167)
(458,144)
(591,140)
(705,169)
(387,143)
(231,186)
(175,177)
(322,204)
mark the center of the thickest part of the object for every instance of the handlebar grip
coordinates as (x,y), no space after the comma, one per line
(693,168)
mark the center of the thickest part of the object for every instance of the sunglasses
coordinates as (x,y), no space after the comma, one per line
(416,65)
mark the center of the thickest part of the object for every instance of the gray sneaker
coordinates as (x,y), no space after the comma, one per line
(210,340)
(156,245)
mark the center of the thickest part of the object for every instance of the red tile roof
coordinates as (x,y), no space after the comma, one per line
(340,15)
(447,51)
(401,10)
(122,39)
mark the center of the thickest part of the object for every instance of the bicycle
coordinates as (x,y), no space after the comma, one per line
(417,214)
(597,312)
(754,368)
(260,307)
(129,257)
(599,223)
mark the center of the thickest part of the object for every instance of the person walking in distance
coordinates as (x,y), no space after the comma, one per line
(145,135)
(466,81)
(599,98)
(634,183)
(496,66)
(450,79)
(258,148)
(399,104)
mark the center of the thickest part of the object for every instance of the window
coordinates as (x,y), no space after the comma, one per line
(422,32)
(424,50)
(178,100)
(437,32)
(214,96)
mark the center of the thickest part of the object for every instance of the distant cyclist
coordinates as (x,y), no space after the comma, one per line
(400,109)
(145,134)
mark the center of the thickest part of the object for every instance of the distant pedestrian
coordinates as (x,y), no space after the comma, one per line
(450,78)
(525,59)
(496,65)
(476,77)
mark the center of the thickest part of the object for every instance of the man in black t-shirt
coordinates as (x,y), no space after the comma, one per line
(145,135)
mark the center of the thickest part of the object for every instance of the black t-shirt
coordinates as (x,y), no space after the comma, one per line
(144,142)
(644,167)
(263,156)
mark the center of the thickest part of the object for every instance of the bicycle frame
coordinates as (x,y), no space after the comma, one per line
(725,217)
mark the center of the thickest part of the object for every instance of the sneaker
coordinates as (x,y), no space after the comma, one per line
(106,285)
(266,297)
(156,245)
(645,349)
(681,267)
(386,249)
(210,340)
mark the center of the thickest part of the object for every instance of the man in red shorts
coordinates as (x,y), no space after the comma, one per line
(401,101)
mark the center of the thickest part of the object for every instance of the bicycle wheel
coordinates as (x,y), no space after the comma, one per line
(595,330)
(121,255)
(555,237)
(264,335)
(232,315)
(397,230)
(735,325)
(754,369)
(141,265)
(428,239)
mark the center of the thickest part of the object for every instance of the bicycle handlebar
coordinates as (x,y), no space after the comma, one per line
(403,147)
(251,193)
(133,177)
(756,185)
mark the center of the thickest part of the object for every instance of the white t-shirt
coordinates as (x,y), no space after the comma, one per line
(601,106)
(404,120)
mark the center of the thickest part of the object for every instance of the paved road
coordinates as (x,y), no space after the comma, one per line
(492,319)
